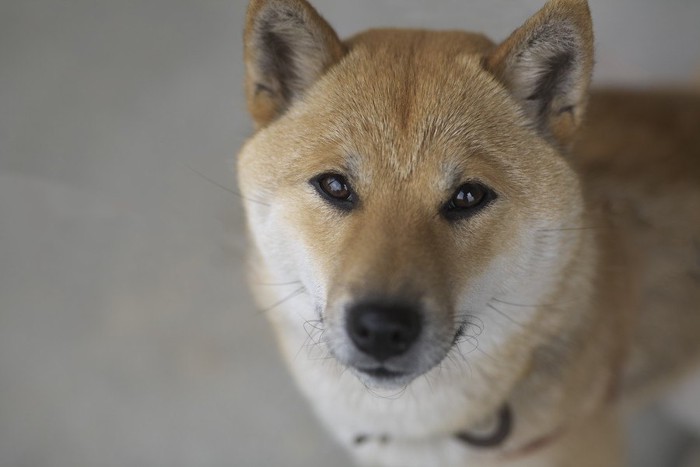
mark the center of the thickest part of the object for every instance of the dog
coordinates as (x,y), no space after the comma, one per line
(460,269)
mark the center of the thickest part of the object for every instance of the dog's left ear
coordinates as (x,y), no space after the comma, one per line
(288,46)
(546,65)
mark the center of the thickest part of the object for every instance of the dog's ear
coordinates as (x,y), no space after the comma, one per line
(547,64)
(288,46)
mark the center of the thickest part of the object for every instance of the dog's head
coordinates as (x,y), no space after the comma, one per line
(414,182)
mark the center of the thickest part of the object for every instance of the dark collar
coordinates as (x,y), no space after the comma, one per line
(503,429)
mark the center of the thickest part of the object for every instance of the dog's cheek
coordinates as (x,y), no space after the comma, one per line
(505,269)
(483,238)
(313,236)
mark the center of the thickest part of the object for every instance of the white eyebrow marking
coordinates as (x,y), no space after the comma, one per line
(356,168)
(452,175)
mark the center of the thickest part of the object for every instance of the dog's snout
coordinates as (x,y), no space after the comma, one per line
(383,330)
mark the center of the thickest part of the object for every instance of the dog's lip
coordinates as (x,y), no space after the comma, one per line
(381,372)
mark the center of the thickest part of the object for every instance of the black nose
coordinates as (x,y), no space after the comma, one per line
(383,330)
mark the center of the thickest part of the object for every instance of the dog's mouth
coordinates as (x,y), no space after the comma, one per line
(383,373)
(382,377)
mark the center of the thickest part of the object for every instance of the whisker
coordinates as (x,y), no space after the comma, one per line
(519,304)
(487,355)
(310,343)
(427,381)
(320,341)
(223,187)
(473,341)
(451,358)
(309,324)
(471,320)
(318,327)
(302,347)
(564,229)
(450,355)
(391,397)
(326,357)
(459,350)
(505,315)
(275,284)
(313,356)
(298,291)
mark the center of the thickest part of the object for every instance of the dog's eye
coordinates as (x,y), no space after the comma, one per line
(335,189)
(467,200)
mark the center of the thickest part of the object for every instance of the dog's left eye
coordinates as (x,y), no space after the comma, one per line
(335,189)
(467,200)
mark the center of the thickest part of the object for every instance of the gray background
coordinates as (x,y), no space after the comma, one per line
(127,337)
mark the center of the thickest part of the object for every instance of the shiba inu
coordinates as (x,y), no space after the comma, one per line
(459,269)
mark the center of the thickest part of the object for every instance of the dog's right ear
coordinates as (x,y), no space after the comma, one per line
(288,46)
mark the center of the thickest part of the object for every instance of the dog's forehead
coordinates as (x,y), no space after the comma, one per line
(401,97)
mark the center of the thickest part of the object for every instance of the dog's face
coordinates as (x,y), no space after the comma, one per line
(412,182)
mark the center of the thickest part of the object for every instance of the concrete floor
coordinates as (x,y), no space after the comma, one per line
(127,336)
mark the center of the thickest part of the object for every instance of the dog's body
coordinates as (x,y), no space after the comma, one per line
(557,280)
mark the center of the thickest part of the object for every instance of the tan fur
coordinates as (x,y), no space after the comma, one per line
(511,57)
(639,156)
(265,106)
(577,279)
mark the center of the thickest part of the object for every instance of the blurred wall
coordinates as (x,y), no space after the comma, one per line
(127,337)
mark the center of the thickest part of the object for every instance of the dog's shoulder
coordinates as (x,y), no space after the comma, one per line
(639,157)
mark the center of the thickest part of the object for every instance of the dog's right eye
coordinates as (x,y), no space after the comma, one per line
(335,189)
(468,200)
